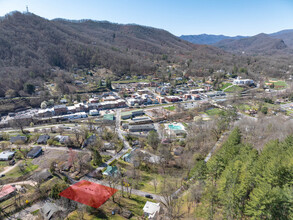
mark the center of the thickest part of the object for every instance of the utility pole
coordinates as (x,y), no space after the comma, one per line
(27,9)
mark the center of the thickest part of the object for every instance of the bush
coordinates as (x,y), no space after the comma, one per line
(264,110)
(268,100)
(56,189)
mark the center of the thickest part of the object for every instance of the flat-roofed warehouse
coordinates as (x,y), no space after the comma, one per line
(130,114)
(141,128)
(141,120)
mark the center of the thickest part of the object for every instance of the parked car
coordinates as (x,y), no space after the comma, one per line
(2,175)
(149,196)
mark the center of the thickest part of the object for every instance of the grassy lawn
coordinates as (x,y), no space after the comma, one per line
(105,158)
(272,106)
(170,108)
(145,182)
(35,212)
(244,107)
(134,204)
(234,88)
(278,84)
(225,85)
(15,172)
(3,164)
(184,124)
(213,111)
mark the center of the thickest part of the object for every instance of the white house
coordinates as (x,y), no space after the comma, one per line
(151,210)
(6,155)
(93,112)
(239,81)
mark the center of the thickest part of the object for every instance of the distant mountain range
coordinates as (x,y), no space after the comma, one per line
(207,39)
(261,44)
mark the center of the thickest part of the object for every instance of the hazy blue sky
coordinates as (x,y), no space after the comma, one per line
(230,17)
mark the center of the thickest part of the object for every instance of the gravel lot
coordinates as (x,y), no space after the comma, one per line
(49,156)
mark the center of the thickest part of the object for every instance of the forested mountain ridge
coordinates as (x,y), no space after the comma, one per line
(31,46)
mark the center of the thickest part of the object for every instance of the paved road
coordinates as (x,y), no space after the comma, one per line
(134,191)
(31,129)
(26,182)
(208,157)
(121,137)
(10,168)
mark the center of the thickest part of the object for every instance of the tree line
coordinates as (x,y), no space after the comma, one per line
(239,182)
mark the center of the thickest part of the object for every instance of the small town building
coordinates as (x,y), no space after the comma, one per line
(18,139)
(140,120)
(62,139)
(6,155)
(34,152)
(127,157)
(90,140)
(161,99)
(108,146)
(93,100)
(60,109)
(109,117)
(43,139)
(50,211)
(93,112)
(151,210)
(111,171)
(239,81)
(172,98)
(131,114)
(6,192)
(141,128)
(42,176)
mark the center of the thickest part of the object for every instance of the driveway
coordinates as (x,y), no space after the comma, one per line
(10,168)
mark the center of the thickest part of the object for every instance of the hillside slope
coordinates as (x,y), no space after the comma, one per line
(286,36)
(259,44)
(31,46)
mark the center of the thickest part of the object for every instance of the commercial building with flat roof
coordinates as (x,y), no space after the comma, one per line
(130,114)
(141,128)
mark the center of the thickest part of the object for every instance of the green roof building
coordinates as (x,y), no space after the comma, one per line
(130,114)
(110,171)
(109,117)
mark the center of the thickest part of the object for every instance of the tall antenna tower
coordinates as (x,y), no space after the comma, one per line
(27,9)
